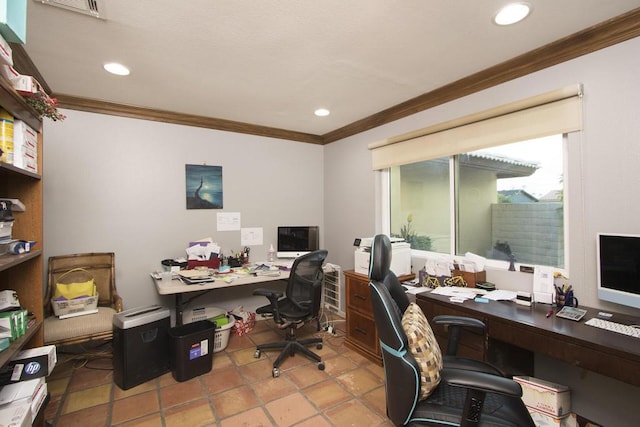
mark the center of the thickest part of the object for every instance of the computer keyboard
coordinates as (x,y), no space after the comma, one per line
(614,327)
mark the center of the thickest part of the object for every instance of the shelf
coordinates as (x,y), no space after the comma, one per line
(13,102)
(9,260)
(6,167)
(16,346)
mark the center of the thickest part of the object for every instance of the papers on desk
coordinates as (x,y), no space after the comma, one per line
(501,295)
(195,277)
(456,294)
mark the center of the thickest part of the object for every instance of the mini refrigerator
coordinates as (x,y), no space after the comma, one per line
(140,345)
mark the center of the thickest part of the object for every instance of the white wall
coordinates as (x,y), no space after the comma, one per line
(602,180)
(118,184)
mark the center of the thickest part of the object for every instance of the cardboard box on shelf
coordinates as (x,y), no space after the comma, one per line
(30,364)
(544,396)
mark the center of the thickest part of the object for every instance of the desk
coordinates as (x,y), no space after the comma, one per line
(515,330)
(179,289)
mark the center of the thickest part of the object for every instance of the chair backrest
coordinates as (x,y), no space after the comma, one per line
(304,288)
(388,299)
(379,270)
(79,268)
(402,373)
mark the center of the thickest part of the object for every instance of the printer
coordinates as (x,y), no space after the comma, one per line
(400,256)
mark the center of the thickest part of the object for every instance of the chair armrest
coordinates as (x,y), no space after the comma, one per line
(469,322)
(117,303)
(269,293)
(481,381)
(455,325)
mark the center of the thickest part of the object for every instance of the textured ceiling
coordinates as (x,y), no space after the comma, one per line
(273,62)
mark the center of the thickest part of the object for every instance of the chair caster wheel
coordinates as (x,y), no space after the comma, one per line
(319,346)
(257,354)
(321,366)
(275,373)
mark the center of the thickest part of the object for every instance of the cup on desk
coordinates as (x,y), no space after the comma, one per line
(566,299)
(166,276)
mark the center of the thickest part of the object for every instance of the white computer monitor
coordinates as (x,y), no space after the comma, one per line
(294,241)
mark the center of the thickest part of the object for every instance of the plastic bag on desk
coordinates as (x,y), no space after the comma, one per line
(244,321)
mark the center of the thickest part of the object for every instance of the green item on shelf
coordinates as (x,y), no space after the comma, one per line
(220,320)
(4,343)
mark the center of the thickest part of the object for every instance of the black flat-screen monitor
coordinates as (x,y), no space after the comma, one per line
(618,266)
(294,241)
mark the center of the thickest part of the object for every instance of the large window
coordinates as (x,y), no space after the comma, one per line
(504,202)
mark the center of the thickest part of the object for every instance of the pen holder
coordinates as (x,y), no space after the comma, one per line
(566,299)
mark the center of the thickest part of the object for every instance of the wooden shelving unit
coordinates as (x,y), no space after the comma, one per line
(24,273)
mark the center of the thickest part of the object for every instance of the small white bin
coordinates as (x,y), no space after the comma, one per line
(221,335)
(5,231)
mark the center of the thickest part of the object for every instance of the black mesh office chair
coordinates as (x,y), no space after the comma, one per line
(459,396)
(299,304)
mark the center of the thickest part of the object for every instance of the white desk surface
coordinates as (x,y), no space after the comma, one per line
(175,286)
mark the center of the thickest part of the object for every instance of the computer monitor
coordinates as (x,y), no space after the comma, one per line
(294,241)
(618,268)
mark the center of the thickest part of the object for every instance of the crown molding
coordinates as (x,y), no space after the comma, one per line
(616,30)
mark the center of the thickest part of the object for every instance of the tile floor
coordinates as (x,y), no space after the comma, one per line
(239,390)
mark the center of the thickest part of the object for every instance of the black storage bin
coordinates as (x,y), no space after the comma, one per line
(191,349)
(140,345)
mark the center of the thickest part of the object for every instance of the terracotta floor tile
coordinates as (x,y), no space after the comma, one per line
(192,414)
(224,379)
(376,399)
(153,420)
(273,388)
(87,378)
(317,421)
(359,381)
(266,337)
(307,375)
(237,343)
(336,366)
(353,413)
(327,394)
(291,409)
(244,356)
(87,398)
(180,393)
(119,393)
(259,370)
(135,406)
(253,418)
(57,387)
(97,416)
(221,360)
(234,401)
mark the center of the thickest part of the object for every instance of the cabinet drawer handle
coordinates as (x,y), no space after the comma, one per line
(361,297)
(362,331)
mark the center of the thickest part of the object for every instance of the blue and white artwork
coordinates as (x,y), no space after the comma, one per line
(204,186)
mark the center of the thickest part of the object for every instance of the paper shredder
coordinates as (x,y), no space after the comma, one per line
(140,345)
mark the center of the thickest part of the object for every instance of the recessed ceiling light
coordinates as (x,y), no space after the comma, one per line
(118,69)
(322,112)
(512,13)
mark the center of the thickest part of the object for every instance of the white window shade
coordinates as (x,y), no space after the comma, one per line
(552,113)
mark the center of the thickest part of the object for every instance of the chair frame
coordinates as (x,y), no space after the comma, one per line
(101,263)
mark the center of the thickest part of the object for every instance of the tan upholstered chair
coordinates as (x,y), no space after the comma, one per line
(80,329)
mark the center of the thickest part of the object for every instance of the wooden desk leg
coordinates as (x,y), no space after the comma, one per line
(179,308)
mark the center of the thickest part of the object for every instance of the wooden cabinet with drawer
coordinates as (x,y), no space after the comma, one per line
(361,328)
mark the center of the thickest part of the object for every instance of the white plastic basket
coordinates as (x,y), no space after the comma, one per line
(74,305)
(221,335)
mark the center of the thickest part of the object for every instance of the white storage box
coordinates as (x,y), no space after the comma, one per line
(75,305)
(6,54)
(25,146)
(544,396)
(541,419)
(5,231)
(400,259)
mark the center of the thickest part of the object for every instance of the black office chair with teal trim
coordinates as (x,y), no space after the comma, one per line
(421,390)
